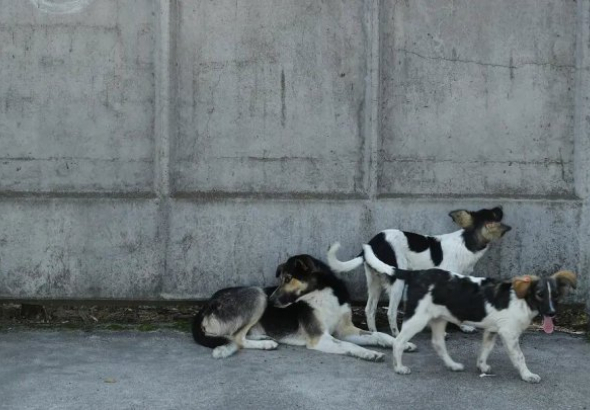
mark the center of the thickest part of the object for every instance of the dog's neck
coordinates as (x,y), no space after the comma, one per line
(474,240)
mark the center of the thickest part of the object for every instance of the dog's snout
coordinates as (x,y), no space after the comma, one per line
(551,313)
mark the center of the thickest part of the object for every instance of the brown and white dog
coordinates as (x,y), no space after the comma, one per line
(506,308)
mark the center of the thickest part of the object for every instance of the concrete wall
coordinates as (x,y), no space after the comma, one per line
(164,149)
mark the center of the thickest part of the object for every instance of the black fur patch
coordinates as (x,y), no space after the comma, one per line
(281,322)
(420,243)
(465,299)
(383,250)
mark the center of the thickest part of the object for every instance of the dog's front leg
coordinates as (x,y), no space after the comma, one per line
(489,339)
(511,342)
(328,344)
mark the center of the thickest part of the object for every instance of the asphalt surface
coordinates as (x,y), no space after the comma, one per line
(166,370)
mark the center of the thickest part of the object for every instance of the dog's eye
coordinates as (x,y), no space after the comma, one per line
(287,278)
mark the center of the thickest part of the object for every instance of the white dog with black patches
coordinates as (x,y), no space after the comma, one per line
(506,308)
(458,251)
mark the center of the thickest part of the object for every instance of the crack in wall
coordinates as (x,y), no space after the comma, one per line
(480,63)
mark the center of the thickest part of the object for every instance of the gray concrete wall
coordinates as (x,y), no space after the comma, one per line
(164,149)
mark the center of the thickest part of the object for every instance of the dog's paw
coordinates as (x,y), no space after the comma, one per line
(373,356)
(484,368)
(467,329)
(410,347)
(531,377)
(268,344)
(402,370)
(221,352)
(456,367)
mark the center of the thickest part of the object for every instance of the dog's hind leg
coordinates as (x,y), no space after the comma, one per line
(438,327)
(328,344)
(361,337)
(396,293)
(512,345)
(223,351)
(489,339)
(374,292)
(412,326)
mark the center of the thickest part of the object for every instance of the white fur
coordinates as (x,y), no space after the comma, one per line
(509,323)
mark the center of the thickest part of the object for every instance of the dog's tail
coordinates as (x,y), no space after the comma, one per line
(339,266)
(201,337)
(376,264)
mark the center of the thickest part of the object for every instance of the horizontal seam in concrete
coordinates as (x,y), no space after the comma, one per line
(478,162)
(453,197)
(512,67)
(124,160)
(222,195)
(77,195)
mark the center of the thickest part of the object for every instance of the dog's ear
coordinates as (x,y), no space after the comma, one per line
(279,270)
(462,218)
(498,213)
(305,263)
(565,280)
(522,285)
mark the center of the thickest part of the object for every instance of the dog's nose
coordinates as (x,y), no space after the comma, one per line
(551,313)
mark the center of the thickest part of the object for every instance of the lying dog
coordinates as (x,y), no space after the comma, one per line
(436,297)
(457,251)
(311,308)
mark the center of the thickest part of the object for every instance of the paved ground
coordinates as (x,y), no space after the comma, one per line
(166,370)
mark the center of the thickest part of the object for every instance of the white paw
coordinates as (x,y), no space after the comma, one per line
(221,352)
(268,345)
(467,329)
(410,347)
(456,367)
(531,377)
(373,356)
(402,370)
(484,368)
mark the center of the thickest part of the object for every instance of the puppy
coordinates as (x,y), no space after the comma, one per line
(310,307)
(436,297)
(458,251)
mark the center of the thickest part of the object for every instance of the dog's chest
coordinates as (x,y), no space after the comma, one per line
(327,309)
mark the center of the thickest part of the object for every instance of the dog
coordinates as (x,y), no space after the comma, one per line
(436,297)
(458,251)
(310,307)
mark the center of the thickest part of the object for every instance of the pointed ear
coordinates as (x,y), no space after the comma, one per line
(279,270)
(522,285)
(462,218)
(565,280)
(498,213)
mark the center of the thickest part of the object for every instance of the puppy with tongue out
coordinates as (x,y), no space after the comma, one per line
(543,294)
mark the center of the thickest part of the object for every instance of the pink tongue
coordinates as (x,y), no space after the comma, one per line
(547,324)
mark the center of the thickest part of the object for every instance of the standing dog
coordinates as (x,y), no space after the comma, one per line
(436,297)
(457,251)
(311,307)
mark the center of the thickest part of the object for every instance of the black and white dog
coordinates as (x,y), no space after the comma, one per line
(436,297)
(310,307)
(458,251)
